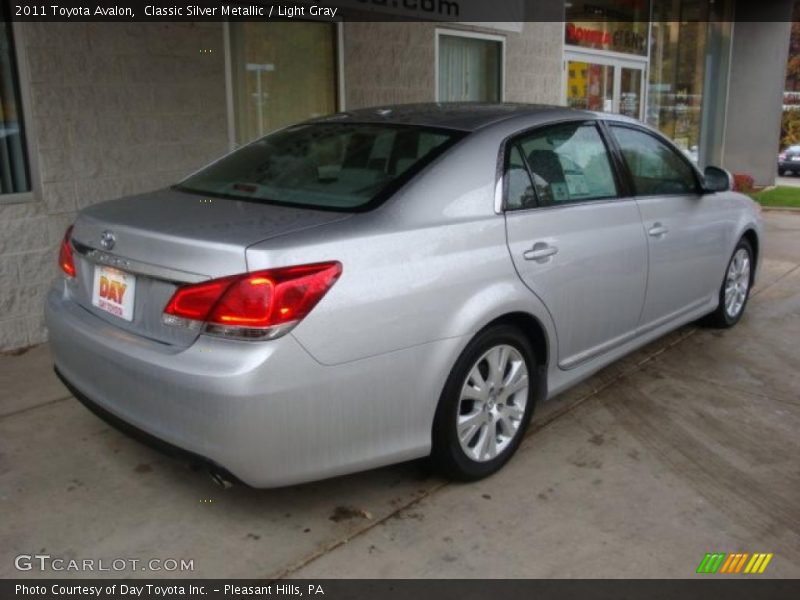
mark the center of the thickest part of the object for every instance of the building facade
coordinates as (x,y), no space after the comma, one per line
(94,111)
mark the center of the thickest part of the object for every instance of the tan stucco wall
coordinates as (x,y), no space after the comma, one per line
(395,62)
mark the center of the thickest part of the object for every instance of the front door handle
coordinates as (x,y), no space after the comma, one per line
(657,230)
(540,252)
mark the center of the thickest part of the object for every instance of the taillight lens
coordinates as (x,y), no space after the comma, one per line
(261,305)
(65,259)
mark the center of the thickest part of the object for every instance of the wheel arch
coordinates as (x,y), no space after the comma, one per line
(532,329)
(536,333)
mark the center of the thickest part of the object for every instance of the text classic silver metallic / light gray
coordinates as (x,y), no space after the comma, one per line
(387,284)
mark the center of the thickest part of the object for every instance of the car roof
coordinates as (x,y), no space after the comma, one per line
(465,116)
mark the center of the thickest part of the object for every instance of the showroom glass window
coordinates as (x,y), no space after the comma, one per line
(606,49)
(677,71)
(282,73)
(14,171)
(470,68)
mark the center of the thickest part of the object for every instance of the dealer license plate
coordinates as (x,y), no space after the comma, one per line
(114,291)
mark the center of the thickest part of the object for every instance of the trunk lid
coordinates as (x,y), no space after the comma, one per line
(167,238)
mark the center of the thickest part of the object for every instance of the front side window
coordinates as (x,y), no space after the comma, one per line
(656,168)
(14,174)
(470,69)
(569,163)
(333,166)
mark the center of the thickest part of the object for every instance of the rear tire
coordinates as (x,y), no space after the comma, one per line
(781,172)
(735,289)
(486,405)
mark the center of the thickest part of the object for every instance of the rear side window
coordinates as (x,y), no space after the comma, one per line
(569,163)
(334,166)
(656,168)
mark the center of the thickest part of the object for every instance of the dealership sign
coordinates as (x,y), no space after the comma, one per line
(620,37)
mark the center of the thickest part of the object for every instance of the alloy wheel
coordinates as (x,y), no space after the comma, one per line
(492,403)
(737,283)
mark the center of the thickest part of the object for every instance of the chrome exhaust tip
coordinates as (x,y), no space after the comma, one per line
(220,480)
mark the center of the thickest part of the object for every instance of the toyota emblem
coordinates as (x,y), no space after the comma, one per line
(107,240)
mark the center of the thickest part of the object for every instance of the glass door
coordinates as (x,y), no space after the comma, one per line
(630,92)
(605,84)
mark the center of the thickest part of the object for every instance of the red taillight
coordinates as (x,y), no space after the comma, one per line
(254,305)
(194,302)
(65,259)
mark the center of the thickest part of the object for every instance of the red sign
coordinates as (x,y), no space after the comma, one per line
(591,36)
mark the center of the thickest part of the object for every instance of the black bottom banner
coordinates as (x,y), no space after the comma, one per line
(416,589)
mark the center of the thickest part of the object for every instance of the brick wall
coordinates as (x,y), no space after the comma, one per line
(115,109)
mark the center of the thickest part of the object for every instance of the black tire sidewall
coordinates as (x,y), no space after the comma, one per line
(447,454)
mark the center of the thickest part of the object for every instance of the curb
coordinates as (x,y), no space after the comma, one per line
(786,209)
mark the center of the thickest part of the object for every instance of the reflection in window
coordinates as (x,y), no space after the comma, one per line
(283,73)
(470,69)
(656,168)
(569,164)
(14,177)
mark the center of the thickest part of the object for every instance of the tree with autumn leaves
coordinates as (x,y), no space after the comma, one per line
(790,122)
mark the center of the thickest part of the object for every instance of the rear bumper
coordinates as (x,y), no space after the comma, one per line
(144,437)
(266,412)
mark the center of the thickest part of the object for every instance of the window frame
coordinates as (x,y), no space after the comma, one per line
(609,124)
(622,185)
(23,83)
(440,31)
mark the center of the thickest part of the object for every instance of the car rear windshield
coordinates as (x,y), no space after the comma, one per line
(332,166)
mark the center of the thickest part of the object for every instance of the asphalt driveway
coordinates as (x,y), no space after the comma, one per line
(688,446)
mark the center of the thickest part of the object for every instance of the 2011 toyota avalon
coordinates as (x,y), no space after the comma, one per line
(387,284)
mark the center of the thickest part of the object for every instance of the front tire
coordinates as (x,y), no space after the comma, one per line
(735,290)
(486,405)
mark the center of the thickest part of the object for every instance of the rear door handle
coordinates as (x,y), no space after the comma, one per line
(657,230)
(541,251)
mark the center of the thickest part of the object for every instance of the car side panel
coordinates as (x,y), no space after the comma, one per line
(685,262)
(594,287)
(406,288)
(430,264)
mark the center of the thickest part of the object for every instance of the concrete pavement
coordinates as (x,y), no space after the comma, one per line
(688,446)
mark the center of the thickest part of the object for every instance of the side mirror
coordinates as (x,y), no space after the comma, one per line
(716,179)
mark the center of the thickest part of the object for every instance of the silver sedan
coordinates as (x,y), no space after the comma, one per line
(394,283)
